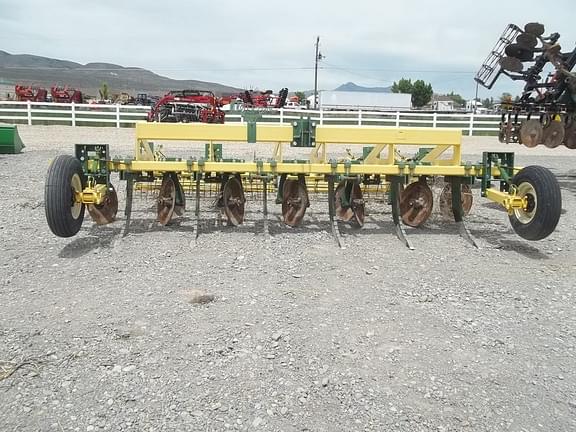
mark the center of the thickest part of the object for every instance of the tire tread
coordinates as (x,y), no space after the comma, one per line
(549,199)
(57,196)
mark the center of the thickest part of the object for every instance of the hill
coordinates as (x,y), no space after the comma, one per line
(45,72)
(350,86)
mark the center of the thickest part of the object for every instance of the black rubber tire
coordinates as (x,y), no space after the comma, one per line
(58,196)
(549,203)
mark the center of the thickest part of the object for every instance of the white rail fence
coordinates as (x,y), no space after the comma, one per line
(36,113)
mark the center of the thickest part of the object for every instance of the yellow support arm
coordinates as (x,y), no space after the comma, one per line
(508,200)
(91,194)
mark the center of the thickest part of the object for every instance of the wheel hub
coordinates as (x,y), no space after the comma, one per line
(526,191)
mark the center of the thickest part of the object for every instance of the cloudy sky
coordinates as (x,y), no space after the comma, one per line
(270,44)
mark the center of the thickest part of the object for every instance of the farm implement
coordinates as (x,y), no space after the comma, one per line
(266,99)
(545,113)
(530,195)
(29,93)
(187,106)
(66,95)
(10,141)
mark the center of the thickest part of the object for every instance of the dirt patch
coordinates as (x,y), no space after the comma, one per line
(302,335)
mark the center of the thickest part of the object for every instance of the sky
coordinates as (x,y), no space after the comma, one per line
(269,44)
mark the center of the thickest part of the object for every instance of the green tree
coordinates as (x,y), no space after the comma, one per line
(403,86)
(301,96)
(104,91)
(421,93)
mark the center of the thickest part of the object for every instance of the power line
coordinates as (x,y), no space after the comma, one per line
(248,69)
(402,70)
(90,69)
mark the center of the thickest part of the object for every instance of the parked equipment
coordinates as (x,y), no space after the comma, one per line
(124,99)
(144,99)
(531,195)
(29,93)
(265,99)
(546,111)
(10,142)
(187,106)
(65,95)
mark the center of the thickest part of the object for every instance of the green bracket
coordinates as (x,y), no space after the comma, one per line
(422,153)
(366,151)
(251,132)
(94,160)
(504,161)
(304,132)
(251,118)
(216,152)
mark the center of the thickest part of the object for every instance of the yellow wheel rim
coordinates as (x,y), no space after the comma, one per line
(526,215)
(76,185)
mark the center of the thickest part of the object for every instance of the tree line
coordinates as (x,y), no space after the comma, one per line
(422,94)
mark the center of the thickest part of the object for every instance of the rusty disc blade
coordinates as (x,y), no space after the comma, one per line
(553,134)
(531,133)
(416,202)
(534,28)
(105,212)
(570,135)
(234,200)
(357,202)
(527,40)
(166,200)
(511,64)
(344,213)
(521,53)
(446,200)
(180,204)
(295,201)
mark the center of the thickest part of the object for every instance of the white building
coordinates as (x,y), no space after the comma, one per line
(474,106)
(442,103)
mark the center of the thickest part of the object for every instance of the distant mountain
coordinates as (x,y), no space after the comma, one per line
(46,72)
(350,86)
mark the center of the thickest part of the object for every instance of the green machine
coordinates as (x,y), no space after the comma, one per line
(10,142)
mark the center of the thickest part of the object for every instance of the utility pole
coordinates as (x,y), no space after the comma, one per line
(317,57)
(476,98)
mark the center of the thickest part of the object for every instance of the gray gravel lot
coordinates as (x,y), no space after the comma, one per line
(108,332)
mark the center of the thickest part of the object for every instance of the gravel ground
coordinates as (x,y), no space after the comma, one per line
(157,332)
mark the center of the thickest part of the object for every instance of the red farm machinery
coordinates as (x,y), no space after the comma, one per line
(29,93)
(265,99)
(187,106)
(65,95)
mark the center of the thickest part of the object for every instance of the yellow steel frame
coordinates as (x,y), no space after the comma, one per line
(276,134)
(390,139)
(444,159)
(383,139)
(335,168)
